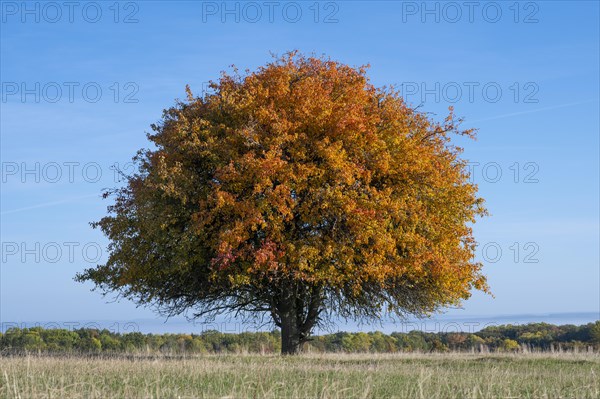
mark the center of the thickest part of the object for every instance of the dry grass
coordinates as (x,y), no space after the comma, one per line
(560,375)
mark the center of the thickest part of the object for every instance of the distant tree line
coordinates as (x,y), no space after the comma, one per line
(505,338)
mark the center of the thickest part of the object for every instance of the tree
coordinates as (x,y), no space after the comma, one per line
(456,340)
(299,192)
(591,332)
(357,342)
(510,345)
(60,339)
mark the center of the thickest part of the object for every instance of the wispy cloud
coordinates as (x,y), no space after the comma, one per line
(534,110)
(48,204)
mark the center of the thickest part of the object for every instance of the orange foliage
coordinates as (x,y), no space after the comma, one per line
(301,172)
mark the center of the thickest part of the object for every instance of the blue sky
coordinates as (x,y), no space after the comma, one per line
(81,86)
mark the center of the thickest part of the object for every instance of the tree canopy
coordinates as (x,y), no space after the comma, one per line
(298,191)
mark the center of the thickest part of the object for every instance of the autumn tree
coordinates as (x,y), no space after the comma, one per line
(299,192)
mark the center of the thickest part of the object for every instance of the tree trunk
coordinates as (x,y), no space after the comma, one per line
(296,313)
(290,334)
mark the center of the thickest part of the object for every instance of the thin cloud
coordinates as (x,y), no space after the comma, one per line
(534,110)
(48,204)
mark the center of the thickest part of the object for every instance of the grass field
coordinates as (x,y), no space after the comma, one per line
(561,375)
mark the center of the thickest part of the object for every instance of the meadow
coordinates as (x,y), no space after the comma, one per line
(400,375)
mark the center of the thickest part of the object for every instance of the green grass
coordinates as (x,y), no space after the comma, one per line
(455,375)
